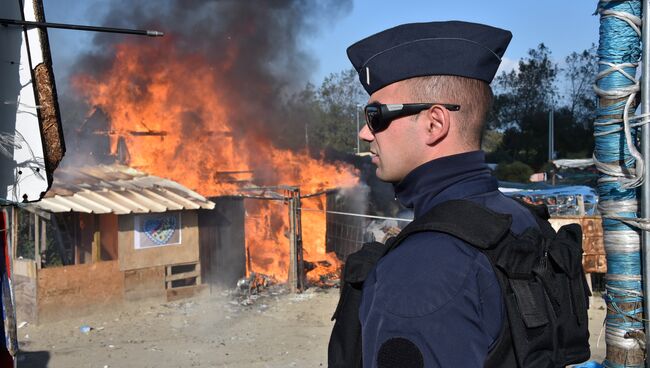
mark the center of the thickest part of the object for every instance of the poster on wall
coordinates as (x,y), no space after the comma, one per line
(157,230)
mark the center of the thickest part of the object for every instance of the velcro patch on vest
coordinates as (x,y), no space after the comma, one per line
(530,298)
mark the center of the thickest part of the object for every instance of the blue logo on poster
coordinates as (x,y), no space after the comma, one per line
(160,230)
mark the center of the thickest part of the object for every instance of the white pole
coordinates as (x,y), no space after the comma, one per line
(357,110)
(645,148)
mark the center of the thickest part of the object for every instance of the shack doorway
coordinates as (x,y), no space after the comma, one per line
(222,242)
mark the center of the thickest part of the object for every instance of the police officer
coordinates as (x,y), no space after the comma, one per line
(435,300)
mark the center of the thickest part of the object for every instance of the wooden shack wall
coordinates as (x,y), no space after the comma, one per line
(79,289)
(185,252)
(145,283)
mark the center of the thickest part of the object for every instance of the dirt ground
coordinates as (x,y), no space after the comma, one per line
(219,330)
(277,329)
(597,313)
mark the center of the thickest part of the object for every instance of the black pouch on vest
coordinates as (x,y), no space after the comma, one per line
(567,288)
(546,296)
(344,349)
(531,319)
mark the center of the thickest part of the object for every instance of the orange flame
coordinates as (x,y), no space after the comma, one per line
(159,89)
(268,250)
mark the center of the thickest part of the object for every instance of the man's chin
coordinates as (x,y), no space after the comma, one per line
(383,176)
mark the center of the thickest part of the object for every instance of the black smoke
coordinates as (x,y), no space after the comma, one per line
(271,62)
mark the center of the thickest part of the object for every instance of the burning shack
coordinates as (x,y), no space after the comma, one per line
(226,118)
(104,235)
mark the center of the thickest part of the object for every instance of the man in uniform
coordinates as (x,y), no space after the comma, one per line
(435,300)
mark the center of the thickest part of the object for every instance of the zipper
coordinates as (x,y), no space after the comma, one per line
(544,262)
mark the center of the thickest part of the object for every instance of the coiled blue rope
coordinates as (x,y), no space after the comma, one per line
(619,52)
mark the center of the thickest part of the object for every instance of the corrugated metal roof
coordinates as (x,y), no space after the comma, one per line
(116,189)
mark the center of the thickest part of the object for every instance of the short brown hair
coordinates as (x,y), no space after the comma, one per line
(473,95)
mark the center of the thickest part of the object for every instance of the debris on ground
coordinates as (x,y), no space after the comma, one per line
(85,329)
(255,283)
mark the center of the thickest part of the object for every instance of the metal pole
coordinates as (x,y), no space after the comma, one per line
(140,32)
(551,148)
(357,108)
(550,136)
(645,148)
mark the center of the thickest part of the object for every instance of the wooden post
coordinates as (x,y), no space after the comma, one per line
(633,356)
(37,238)
(293,261)
(581,205)
(43,237)
(624,303)
(75,237)
(298,229)
(296,264)
(96,247)
(168,272)
(14,231)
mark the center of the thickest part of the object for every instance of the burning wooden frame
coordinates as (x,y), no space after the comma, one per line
(303,259)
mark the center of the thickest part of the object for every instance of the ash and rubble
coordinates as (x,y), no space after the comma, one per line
(257,287)
(250,289)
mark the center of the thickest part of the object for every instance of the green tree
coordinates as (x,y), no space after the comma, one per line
(329,112)
(341,97)
(524,98)
(573,135)
(527,90)
(516,171)
(580,71)
(491,140)
(517,129)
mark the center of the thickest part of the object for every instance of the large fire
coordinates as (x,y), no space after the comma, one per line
(178,96)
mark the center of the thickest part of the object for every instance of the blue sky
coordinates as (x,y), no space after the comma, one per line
(563,25)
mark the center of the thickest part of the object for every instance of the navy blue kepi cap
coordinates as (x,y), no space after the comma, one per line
(421,49)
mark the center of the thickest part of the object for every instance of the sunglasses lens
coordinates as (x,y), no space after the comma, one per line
(373,118)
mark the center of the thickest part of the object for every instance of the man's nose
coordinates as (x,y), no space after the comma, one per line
(366,134)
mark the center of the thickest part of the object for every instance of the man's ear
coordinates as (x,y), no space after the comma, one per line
(437,124)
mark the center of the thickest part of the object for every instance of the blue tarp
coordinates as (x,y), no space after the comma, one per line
(561,200)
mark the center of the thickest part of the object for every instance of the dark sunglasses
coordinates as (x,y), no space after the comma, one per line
(379,116)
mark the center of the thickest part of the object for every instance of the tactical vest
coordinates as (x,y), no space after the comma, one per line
(544,289)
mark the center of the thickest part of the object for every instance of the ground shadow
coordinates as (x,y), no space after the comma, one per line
(33,359)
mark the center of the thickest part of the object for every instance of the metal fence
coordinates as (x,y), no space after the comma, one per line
(347,230)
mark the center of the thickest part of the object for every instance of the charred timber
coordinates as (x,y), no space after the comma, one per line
(135,133)
(151,133)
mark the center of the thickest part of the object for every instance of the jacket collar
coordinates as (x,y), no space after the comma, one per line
(450,177)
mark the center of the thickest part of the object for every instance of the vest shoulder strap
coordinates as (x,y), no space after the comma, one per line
(463,219)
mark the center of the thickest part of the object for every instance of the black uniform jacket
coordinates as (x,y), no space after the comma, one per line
(436,293)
